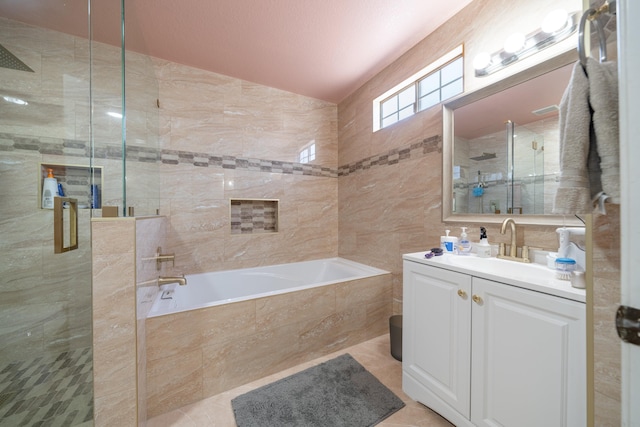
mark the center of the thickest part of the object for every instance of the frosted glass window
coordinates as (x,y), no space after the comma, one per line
(452,89)
(407,97)
(429,100)
(428,90)
(452,72)
(429,84)
(390,106)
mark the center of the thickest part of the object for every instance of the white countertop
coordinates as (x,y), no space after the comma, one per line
(535,277)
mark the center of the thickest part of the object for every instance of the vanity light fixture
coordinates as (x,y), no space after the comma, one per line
(557,26)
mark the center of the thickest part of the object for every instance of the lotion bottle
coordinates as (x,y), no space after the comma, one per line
(49,190)
(483,249)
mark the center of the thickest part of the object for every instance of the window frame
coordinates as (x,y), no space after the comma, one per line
(414,81)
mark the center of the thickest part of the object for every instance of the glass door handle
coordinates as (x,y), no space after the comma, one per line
(59,204)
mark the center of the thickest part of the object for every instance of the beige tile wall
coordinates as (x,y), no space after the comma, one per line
(606,299)
(150,236)
(387,211)
(208,118)
(114,322)
(204,352)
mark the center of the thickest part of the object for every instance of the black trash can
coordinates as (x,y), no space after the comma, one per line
(395,333)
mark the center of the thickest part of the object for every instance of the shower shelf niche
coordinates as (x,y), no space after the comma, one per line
(254,216)
(75,180)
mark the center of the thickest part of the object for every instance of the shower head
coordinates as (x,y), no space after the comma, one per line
(485,156)
(9,60)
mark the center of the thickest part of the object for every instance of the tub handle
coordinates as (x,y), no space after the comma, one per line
(159,258)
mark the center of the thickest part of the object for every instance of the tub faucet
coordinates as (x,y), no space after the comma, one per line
(513,250)
(179,280)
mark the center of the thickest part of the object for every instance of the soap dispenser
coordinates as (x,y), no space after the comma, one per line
(49,190)
(483,249)
(464,248)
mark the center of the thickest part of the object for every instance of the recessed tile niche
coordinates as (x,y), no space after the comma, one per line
(254,216)
(76,182)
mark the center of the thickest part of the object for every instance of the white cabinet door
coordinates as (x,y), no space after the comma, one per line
(529,358)
(436,338)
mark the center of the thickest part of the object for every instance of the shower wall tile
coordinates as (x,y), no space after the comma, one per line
(114,321)
(45,294)
(225,138)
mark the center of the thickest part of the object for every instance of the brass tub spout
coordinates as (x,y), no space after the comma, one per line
(179,280)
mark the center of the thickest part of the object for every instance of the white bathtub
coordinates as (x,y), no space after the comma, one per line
(223,287)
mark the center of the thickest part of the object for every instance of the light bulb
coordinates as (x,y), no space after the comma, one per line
(481,61)
(514,43)
(555,21)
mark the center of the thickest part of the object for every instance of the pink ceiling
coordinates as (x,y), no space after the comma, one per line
(324,49)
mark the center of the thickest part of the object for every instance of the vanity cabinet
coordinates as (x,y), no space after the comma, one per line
(486,353)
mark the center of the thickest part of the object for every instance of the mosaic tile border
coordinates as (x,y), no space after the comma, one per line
(73,148)
(174,157)
(418,149)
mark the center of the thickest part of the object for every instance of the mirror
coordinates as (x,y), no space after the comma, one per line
(501,148)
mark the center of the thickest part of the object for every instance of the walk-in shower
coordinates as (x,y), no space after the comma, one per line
(58,84)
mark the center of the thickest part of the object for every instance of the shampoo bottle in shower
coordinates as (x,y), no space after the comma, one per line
(49,190)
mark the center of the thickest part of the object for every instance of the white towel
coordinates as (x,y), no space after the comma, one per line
(573,194)
(603,97)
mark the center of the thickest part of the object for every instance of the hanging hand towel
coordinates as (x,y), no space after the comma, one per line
(603,96)
(573,194)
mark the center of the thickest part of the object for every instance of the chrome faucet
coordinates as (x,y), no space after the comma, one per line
(513,250)
(179,280)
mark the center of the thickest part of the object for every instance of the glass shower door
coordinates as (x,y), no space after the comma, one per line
(45,309)
(525,193)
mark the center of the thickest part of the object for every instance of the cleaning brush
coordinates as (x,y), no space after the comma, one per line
(564,268)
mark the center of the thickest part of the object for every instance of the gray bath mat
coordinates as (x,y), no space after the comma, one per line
(339,392)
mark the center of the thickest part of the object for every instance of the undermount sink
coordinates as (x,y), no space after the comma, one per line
(498,266)
(532,276)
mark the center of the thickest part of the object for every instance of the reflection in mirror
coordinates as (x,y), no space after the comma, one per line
(502,148)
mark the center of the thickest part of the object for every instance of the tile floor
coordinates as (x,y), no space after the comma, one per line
(48,390)
(373,355)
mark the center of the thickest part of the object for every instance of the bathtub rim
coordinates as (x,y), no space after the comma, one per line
(371,272)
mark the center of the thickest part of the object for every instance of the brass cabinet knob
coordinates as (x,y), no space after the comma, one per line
(477,299)
(461,293)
